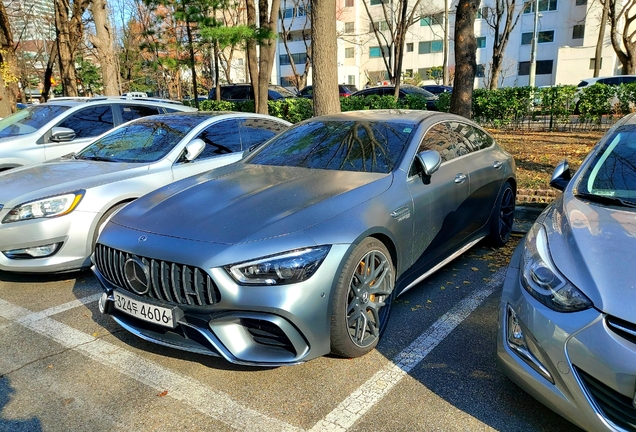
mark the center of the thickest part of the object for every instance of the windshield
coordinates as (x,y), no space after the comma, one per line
(369,146)
(612,172)
(29,120)
(141,142)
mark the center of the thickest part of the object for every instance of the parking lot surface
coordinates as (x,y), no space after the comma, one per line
(64,366)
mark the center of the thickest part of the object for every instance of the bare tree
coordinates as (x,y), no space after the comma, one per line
(300,10)
(502,18)
(601,38)
(324,70)
(103,41)
(70,30)
(621,18)
(8,66)
(465,58)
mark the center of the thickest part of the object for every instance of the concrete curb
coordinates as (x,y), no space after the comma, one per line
(525,215)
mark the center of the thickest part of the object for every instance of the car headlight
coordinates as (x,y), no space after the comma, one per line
(45,207)
(286,268)
(543,281)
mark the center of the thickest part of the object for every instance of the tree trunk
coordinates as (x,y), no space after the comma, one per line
(252,55)
(104,43)
(193,65)
(217,75)
(325,68)
(446,78)
(65,48)
(465,58)
(598,56)
(48,73)
(268,23)
(8,89)
(495,71)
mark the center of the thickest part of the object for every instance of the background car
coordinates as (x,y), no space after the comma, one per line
(299,249)
(47,131)
(345,90)
(405,89)
(51,213)
(437,89)
(567,329)
(245,92)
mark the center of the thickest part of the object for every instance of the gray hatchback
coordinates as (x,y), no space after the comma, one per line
(567,331)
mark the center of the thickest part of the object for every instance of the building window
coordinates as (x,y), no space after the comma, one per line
(482,13)
(544,6)
(544,67)
(578,31)
(376,52)
(409,47)
(592,63)
(239,62)
(301,11)
(351,79)
(350,27)
(481,71)
(349,52)
(544,37)
(430,47)
(378,25)
(376,2)
(299,58)
(287,13)
(287,81)
(437,19)
(481,42)
(408,73)
(349,3)
(580,2)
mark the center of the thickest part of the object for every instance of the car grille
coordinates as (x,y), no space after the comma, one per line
(623,328)
(615,406)
(169,282)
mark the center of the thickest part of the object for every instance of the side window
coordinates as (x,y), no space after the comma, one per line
(256,131)
(463,134)
(90,122)
(131,112)
(480,139)
(440,137)
(220,138)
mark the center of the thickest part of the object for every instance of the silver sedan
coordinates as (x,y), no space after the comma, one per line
(299,249)
(51,213)
(567,331)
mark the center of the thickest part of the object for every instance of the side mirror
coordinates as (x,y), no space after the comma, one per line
(62,134)
(194,149)
(429,160)
(561,175)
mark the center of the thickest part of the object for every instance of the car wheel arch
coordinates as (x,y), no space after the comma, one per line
(110,209)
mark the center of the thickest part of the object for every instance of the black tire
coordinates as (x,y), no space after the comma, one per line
(362,300)
(503,216)
(103,220)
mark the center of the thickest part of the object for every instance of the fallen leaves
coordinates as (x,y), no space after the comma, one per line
(163,393)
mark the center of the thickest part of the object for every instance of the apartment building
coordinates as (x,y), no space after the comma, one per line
(567,37)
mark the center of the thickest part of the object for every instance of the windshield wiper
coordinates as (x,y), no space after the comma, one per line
(95,158)
(605,199)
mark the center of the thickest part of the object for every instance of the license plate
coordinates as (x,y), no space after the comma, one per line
(155,314)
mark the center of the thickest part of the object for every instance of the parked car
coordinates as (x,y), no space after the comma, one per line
(567,330)
(245,92)
(51,212)
(299,249)
(607,80)
(345,90)
(405,89)
(47,131)
(437,89)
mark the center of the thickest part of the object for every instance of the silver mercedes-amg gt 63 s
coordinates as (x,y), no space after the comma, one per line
(567,323)
(299,249)
(51,213)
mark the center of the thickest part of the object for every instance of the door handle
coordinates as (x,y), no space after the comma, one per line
(497,164)
(460,178)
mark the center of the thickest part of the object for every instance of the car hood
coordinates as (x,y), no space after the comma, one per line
(592,245)
(59,176)
(243,202)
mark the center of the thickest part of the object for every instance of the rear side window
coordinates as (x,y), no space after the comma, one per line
(132,112)
(583,84)
(447,140)
(257,131)
(90,122)
(221,138)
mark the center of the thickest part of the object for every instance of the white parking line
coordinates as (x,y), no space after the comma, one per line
(218,405)
(206,400)
(371,392)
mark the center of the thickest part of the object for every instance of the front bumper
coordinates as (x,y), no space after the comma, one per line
(249,325)
(577,365)
(72,230)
